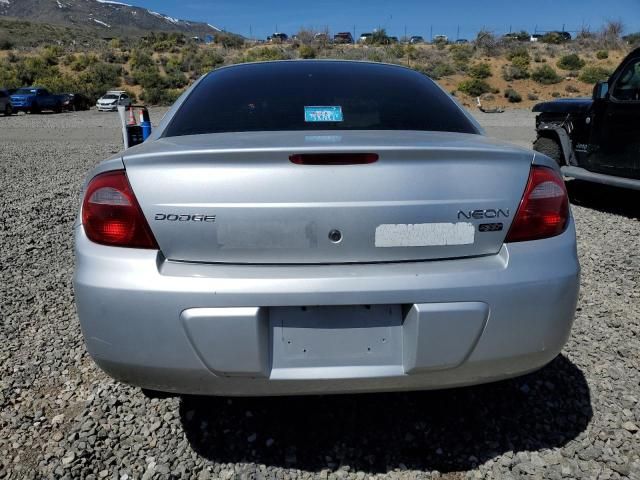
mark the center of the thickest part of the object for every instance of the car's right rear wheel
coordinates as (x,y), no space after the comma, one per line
(551,148)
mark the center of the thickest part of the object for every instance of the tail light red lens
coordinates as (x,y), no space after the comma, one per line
(333,158)
(111,214)
(544,208)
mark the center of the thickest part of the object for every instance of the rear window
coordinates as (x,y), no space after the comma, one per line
(316,95)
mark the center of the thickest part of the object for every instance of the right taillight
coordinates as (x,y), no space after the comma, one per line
(544,208)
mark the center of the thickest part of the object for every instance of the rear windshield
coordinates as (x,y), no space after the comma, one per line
(316,95)
(109,96)
(26,91)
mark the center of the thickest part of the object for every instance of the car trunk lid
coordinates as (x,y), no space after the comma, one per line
(243,197)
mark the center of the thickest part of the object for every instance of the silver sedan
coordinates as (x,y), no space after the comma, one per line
(310,227)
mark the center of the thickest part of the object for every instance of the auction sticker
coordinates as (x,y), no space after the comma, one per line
(322,114)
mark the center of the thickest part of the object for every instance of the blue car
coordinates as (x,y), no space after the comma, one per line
(36,99)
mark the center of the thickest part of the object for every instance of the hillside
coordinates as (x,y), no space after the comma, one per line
(156,68)
(107,18)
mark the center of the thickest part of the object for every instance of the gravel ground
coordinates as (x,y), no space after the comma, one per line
(61,417)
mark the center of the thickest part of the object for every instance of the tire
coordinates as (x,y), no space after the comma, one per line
(58,108)
(34,109)
(551,148)
(8,110)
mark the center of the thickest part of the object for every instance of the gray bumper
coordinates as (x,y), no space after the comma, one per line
(243,330)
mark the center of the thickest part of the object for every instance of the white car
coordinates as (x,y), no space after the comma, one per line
(110,101)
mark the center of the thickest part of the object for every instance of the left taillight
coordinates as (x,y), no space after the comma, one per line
(111,214)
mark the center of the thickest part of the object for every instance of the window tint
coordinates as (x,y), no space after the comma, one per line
(273,96)
(628,85)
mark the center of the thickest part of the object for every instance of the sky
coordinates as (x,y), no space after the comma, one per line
(456,19)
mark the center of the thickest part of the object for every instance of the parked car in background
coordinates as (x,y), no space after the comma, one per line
(321,37)
(597,139)
(279,37)
(5,102)
(35,99)
(195,275)
(343,37)
(462,41)
(110,101)
(75,102)
(365,37)
(440,39)
(416,39)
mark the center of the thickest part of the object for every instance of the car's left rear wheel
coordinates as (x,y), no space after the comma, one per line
(8,110)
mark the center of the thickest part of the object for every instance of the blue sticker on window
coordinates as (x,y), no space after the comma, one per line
(322,114)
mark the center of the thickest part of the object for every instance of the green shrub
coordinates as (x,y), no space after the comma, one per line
(512,96)
(436,70)
(594,74)
(532,96)
(602,54)
(5,44)
(461,55)
(262,54)
(98,78)
(553,38)
(546,75)
(141,59)
(570,62)
(307,51)
(474,87)
(480,70)
(159,96)
(519,51)
(555,94)
(571,89)
(229,40)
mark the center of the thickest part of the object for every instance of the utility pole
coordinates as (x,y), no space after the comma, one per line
(431,33)
(458,33)
(250,32)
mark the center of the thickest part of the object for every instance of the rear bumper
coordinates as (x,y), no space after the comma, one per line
(222,329)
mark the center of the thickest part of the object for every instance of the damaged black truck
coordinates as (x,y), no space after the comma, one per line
(597,139)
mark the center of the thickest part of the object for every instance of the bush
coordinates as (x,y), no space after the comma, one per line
(546,75)
(436,70)
(532,96)
(512,96)
(262,54)
(519,52)
(571,89)
(5,44)
(474,87)
(461,55)
(553,38)
(480,70)
(306,51)
(602,54)
(594,74)
(159,96)
(555,94)
(570,62)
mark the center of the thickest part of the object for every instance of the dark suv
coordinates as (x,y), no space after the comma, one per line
(597,139)
(343,37)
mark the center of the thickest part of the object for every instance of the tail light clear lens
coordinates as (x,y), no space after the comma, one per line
(544,208)
(111,214)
